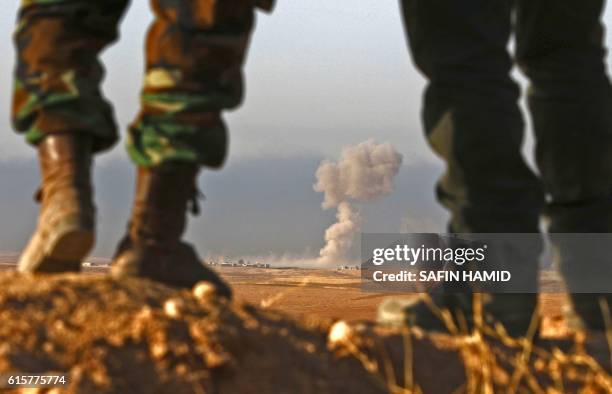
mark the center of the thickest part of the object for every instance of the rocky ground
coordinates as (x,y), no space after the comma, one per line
(135,336)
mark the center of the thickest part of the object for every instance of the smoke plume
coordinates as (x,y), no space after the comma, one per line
(364,173)
(339,237)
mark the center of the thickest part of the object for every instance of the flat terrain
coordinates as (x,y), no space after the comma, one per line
(337,295)
(325,293)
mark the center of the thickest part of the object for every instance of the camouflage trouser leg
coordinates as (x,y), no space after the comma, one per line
(560,47)
(195,54)
(58,72)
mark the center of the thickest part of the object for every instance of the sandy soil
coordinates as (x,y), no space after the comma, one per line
(135,336)
(337,295)
(328,294)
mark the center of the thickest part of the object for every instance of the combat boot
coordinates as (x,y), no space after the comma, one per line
(152,247)
(65,231)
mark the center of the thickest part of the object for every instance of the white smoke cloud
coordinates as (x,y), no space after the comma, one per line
(339,237)
(364,173)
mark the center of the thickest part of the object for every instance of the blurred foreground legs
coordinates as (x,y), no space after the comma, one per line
(472,121)
(560,47)
(195,55)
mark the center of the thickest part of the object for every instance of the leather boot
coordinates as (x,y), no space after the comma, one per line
(65,230)
(152,247)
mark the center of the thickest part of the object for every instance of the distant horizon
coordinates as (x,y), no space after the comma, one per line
(246,213)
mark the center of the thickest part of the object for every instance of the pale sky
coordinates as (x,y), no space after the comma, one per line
(320,75)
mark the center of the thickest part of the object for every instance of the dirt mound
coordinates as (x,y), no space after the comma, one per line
(135,336)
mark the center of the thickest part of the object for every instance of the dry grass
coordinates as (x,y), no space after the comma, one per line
(493,360)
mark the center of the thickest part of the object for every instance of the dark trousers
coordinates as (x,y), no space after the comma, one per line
(472,119)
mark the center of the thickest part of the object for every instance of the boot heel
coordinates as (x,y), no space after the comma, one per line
(62,251)
(73,245)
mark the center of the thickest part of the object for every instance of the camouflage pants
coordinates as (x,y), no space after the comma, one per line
(195,51)
(472,119)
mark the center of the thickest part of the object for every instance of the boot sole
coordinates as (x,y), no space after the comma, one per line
(124,267)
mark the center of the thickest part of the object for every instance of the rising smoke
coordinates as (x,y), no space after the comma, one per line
(364,173)
(339,237)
